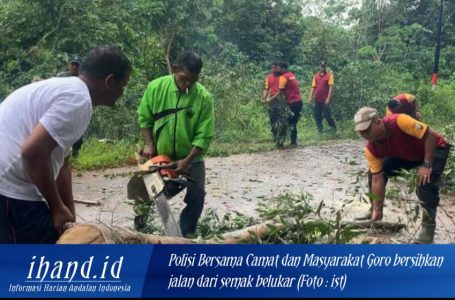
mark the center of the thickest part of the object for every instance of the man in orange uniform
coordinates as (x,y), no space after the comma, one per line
(401,142)
(289,86)
(321,94)
(404,104)
(272,96)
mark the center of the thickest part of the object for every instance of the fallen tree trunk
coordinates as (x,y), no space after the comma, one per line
(103,234)
(248,234)
(379,225)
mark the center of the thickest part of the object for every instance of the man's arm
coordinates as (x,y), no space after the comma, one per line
(149,148)
(144,112)
(327,102)
(313,88)
(36,153)
(378,184)
(264,94)
(329,97)
(266,90)
(310,97)
(417,109)
(420,130)
(431,140)
(274,96)
(182,165)
(378,190)
(65,188)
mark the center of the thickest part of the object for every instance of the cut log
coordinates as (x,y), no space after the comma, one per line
(103,234)
(248,234)
(379,225)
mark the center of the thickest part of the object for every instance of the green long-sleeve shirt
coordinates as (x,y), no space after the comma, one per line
(178,121)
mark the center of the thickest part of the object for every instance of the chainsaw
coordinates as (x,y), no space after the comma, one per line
(156,183)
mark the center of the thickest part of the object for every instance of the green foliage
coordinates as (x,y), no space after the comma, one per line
(264,30)
(236,92)
(324,41)
(366,83)
(449,171)
(437,105)
(212,225)
(97,155)
(301,223)
(376,50)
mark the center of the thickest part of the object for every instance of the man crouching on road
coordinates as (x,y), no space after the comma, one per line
(401,142)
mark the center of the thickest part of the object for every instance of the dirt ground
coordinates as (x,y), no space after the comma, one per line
(239,182)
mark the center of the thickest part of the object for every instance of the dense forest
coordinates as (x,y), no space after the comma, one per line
(376,49)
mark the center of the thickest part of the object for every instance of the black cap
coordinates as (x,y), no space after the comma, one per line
(323,63)
(392,104)
(75,59)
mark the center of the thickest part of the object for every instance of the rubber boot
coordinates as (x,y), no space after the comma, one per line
(427,228)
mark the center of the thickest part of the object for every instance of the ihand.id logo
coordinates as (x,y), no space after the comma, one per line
(45,275)
(67,272)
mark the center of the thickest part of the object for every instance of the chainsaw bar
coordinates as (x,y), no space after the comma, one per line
(155,188)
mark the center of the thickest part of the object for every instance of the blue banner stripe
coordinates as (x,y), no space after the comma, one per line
(257,271)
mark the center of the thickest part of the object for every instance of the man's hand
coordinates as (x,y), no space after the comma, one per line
(327,102)
(60,216)
(182,166)
(419,116)
(270,99)
(424,175)
(149,151)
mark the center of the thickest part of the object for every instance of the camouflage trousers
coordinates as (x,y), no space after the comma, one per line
(279,114)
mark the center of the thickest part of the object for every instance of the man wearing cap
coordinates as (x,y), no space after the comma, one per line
(73,66)
(404,104)
(321,94)
(400,142)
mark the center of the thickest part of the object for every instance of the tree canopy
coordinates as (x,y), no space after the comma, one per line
(376,48)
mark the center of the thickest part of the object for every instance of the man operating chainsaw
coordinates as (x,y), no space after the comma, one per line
(176,118)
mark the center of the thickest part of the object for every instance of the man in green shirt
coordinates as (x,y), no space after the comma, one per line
(176,117)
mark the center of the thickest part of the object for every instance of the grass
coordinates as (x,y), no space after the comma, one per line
(100,155)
